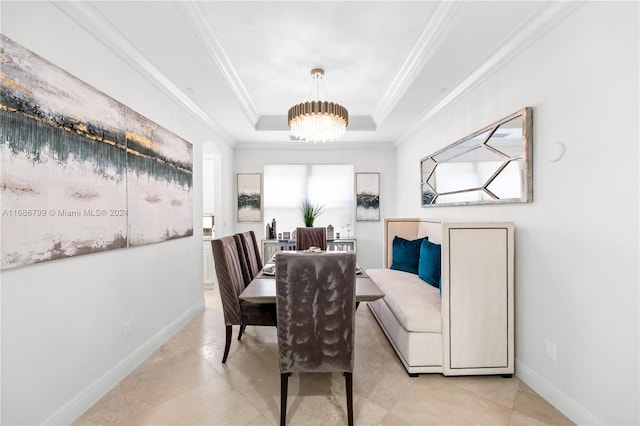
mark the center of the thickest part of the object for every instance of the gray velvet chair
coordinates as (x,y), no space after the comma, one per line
(316,313)
(311,237)
(249,255)
(231,283)
(250,263)
(247,274)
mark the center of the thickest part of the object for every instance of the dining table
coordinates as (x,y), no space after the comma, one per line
(262,289)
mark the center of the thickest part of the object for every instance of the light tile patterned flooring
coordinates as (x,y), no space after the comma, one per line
(184,383)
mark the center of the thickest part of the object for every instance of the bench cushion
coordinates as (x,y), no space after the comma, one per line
(414,303)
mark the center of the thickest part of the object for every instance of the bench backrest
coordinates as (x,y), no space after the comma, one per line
(410,229)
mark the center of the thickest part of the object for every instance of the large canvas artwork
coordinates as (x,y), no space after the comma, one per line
(159,183)
(80,172)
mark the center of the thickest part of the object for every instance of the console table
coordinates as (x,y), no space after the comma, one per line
(270,247)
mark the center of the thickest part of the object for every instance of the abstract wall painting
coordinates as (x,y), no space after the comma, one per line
(69,162)
(367,196)
(159,179)
(249,197)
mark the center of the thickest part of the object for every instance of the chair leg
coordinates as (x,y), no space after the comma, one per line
(227,343)
(242,328)
(348,378)
(284,385)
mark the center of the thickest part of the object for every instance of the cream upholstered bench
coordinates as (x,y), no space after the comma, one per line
(465,327)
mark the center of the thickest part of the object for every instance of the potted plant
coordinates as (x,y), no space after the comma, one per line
(309,212)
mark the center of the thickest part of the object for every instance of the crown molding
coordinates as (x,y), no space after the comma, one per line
(87,16)
(212,45)
(422,51)
(359,123)
(272,123)
(307,146)
(542,21)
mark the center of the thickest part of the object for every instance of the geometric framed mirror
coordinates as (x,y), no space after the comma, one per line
(490,166)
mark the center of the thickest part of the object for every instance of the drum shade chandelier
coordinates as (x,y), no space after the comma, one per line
(318,121)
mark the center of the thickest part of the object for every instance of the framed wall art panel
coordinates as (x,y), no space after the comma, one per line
(367,196)
(249,197)
(159,179)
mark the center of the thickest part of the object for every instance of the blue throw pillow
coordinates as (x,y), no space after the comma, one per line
(429,264)
(406,254)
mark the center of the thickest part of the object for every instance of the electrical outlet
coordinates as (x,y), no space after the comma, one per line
(126,330)
(551,351)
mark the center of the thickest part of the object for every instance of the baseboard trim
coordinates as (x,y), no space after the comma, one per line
(567,406)
(73,409)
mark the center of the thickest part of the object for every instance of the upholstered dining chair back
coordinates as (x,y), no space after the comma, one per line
(316,315)
(245,268)
(251,252)
(311,237)
(231,283)
(230,280)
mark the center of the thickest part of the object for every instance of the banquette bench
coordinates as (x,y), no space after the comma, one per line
(465,327)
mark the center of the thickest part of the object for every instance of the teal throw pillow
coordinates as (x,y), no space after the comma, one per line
(429,263)
(406,254)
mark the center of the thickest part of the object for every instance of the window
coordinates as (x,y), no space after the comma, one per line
(329,185)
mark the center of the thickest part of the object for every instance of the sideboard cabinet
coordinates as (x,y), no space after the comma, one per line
(271,247)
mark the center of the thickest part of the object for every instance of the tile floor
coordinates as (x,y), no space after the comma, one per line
(184,383)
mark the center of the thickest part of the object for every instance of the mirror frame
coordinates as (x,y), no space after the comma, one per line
(526,180)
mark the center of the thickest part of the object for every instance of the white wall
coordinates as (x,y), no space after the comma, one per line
(222,186)
(379,158)
(577,243)
(62,321)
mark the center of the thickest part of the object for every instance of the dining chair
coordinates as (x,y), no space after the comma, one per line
(247,275)
(315,299)
(311,237)
(231,283)
(251,252)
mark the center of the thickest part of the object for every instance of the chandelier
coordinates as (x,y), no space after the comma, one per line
(318,121)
